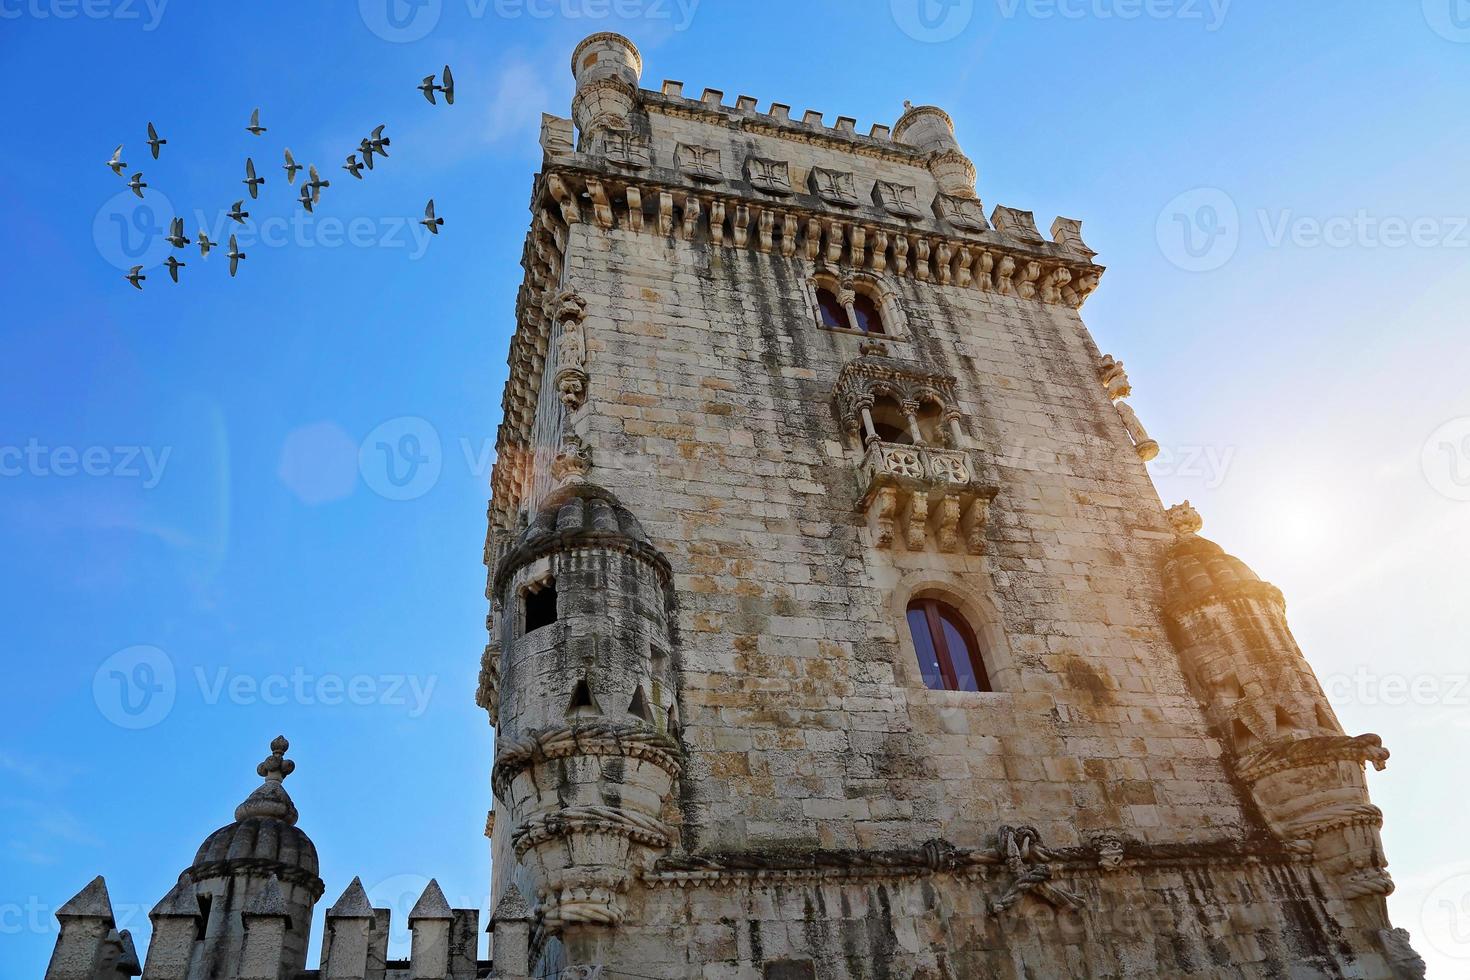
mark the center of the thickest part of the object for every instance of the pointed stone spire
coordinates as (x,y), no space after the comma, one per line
(270,799)
(92,902)
(510,929)
(266,917)
(430,923)
(268,902)
(431,904)
(177,925)
(346,945)
(87,924)
(353,904)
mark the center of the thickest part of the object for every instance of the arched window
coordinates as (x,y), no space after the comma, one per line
(834,317)
(862,313)
(865,314)
(949,657)
(889,422)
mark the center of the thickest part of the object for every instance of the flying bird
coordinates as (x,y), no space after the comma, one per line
(252,181)
(429,221)
(136,277)
(153,141)
(315,184)
(236,213)
(291,167)
(305,197)
(235,256)
(116,163)
(365,146)
(255,126)
(352,166)
(176,236)
(378,141)
(174,265)
(137,183)
(429,88)
(205,244)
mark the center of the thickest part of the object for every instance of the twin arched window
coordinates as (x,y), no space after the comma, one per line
(862,314)
(949,657)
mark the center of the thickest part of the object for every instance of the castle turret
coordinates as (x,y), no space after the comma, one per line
(1304,773)
(929,128)
(261,852)
(585,754)
(607,68)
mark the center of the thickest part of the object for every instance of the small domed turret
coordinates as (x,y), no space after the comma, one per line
(262,848)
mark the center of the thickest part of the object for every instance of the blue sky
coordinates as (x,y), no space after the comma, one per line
(193,479)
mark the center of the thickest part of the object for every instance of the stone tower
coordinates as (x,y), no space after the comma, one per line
(836,629)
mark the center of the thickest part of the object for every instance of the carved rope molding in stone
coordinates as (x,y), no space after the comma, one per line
(1101,858)
(517,753)
(1303,752)
(573,819)
(1005,263)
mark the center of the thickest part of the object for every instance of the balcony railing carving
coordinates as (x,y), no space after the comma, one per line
(915,496)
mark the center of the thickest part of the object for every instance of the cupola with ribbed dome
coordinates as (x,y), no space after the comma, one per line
(262,849)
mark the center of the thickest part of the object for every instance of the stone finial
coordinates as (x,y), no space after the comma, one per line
(353,904)
(87,941)
(512,907)
(269,902)
(177,924)
(431,904)
(1185,519)
(92,902)
(270,798)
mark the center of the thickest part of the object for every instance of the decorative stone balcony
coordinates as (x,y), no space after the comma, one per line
(919,497)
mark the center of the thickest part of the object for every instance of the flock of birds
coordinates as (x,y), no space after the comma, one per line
(373,145)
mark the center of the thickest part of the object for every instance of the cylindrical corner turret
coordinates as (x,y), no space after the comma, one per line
(607,68)
(1304,773)
(587,749)
(929,128)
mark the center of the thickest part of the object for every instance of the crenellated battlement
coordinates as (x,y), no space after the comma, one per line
(777,120)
